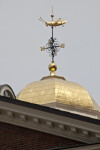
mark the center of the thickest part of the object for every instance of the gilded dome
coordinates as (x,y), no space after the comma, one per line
(56,89)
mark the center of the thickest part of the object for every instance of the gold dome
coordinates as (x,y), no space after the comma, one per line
(56,89)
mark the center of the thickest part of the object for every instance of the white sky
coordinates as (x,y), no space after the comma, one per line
(22,35)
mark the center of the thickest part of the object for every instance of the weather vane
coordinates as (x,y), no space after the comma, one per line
(53,46)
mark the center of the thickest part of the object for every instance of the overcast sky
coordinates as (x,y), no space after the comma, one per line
(22,35)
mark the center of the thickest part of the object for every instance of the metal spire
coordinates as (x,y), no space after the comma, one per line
(53,46)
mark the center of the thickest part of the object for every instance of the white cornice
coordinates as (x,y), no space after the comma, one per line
(89,147)
(50,123)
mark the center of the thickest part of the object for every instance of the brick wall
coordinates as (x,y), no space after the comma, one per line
(18,138)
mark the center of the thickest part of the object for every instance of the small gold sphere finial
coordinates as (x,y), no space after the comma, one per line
(52,67)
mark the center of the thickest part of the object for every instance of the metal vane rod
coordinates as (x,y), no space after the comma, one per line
(53,46)
(52,14)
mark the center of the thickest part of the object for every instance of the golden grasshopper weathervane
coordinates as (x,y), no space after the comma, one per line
(53,46)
